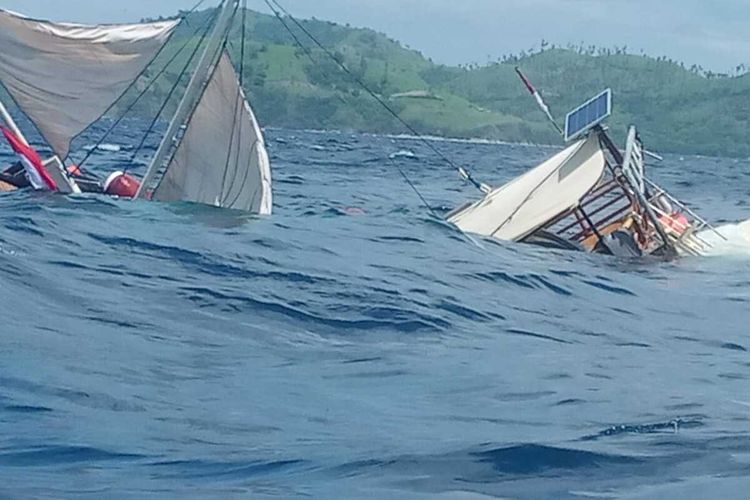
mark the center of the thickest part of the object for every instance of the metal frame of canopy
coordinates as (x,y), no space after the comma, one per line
(611,204)
(625,198)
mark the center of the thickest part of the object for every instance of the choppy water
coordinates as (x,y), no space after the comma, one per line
(351,346)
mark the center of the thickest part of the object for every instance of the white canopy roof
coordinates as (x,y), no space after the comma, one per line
(522,206)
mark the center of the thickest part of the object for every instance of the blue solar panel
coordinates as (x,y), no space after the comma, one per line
(588,116)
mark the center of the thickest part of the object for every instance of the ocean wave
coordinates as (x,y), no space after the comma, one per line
(354,345)
(729,240)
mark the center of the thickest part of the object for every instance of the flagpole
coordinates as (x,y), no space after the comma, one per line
(539,100)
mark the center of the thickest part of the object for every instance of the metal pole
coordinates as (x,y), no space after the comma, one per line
(615,152)
(11,123)
(59,173)
(193,93)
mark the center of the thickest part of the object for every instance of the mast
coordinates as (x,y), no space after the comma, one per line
(193,93)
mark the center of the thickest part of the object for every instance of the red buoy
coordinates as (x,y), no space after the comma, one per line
(122,185)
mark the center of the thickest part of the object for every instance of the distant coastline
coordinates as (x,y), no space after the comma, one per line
(678,109)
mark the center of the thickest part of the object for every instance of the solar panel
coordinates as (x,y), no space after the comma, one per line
(586,117)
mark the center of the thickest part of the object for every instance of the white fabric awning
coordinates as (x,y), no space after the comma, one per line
(525,204)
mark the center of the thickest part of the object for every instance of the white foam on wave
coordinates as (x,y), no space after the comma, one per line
(109,148)
(404,153)
(8,252)
(735,241)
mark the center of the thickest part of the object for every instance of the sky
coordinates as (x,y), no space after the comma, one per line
(712,34)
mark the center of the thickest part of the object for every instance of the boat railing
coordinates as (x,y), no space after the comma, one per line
(659,192)
(684,235)
(605,205)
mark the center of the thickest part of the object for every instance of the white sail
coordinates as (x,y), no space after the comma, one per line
(517,209)
(65,76)
(221,159)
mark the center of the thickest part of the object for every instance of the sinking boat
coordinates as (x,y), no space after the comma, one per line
(591,196)
(65,77)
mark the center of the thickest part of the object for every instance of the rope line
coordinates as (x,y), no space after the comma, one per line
(237,118)
(299,43)
(184,71)
(241,97)
(461,170)
(213,69)
(143,92)
(183,18)
(415,189)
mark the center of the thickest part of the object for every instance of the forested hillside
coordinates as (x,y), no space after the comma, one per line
(678,109)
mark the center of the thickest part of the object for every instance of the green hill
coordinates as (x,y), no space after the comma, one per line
(677,109)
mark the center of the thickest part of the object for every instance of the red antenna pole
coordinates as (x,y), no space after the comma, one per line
(539,99)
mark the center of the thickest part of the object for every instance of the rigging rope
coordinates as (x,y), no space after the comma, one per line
(241,106)
(242,49)
(238,108)
(177,139)
(182,73)
(461,170)
(415,189)
(183,18)
(299,43)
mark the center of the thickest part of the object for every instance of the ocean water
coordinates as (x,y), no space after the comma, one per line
(354,346)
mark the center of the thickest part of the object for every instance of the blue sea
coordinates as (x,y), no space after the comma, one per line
(355,346)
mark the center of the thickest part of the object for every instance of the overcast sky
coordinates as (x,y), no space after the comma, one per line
(712,33)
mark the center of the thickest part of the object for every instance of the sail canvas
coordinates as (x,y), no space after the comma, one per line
(222,158)
(65,76)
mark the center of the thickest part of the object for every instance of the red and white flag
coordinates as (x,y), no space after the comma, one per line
(38,175)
